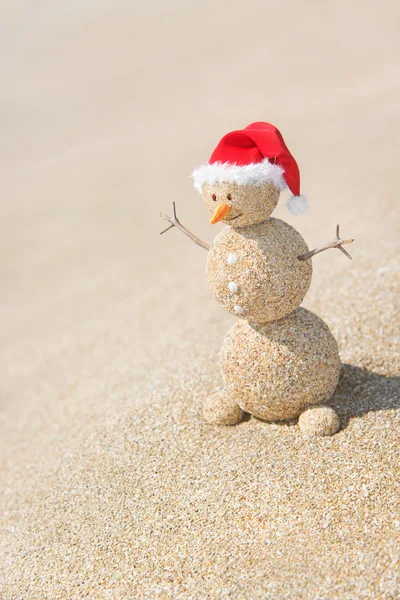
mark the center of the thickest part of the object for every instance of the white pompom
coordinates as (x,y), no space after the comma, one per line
(297,205)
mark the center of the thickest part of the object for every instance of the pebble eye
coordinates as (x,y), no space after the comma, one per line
(229,197)
(214,197)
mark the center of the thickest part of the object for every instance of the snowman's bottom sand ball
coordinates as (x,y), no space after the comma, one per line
(275,371)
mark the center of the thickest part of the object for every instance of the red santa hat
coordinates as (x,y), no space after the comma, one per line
(251,156)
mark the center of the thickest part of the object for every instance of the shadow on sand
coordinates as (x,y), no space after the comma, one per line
(360,391)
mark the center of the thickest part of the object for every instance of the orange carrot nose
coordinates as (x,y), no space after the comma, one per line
(220,212)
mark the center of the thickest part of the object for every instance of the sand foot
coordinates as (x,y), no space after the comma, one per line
(319,420)
(220,409)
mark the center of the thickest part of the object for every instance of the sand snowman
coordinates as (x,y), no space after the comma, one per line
(279,361)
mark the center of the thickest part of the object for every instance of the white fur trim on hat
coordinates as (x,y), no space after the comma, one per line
(297,205)
(252,174)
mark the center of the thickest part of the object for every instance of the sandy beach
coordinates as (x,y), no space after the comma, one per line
(111,484)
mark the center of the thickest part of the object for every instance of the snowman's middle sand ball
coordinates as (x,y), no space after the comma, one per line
(266,280)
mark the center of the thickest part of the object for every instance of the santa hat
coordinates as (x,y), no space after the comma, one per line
(251,156)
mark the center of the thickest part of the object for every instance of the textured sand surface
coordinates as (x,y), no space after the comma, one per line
(111,484)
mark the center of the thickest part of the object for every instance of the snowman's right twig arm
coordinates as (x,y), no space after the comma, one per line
(336,243)
(176,223)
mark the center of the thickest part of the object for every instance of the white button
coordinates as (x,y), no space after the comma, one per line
(233,287)
(238,309)
(232,259)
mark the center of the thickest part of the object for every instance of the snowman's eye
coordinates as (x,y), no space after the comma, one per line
(229,197)
(214,197)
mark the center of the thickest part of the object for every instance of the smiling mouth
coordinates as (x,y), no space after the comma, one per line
(233,218)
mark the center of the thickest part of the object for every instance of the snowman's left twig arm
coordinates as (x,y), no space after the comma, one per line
(176,223)
(336,243)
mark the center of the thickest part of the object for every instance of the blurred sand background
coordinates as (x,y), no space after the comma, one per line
(111,485)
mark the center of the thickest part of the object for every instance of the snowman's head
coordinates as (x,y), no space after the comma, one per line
(240,205)
(244,175)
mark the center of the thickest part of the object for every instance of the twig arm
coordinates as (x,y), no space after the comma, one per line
(336,243)
(174,222)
